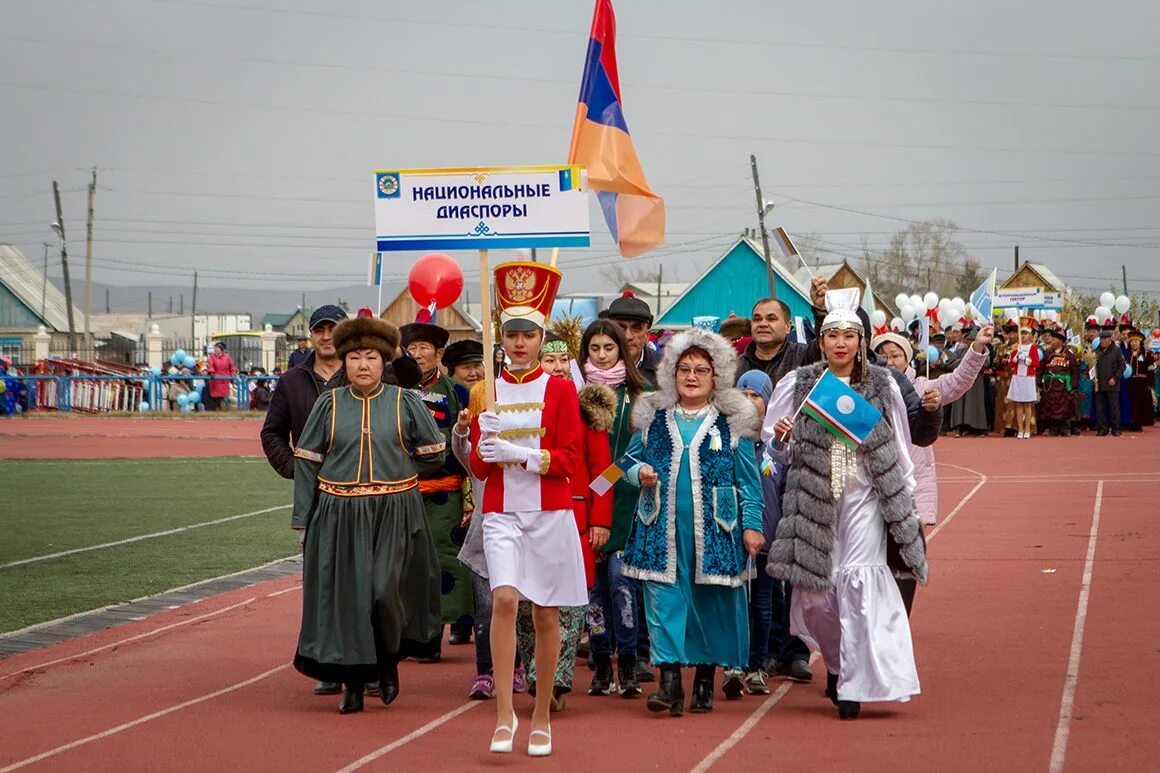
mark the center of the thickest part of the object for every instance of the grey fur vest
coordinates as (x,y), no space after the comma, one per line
(802,551)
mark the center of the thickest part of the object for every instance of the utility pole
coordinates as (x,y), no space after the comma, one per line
(107,300)
(59,228)
(171,304)
(89,266)
(660,274)
(761,222)
(181,304)
(1016,257)
(44,287)
(303,306)
(150,296)
(193,312)
(1124,273)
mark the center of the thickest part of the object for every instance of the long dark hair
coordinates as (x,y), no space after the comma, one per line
(633,381)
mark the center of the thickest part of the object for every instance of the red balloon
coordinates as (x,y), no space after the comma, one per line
(1156,332)
(435,277)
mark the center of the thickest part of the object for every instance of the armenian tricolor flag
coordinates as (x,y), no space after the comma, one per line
(601,142)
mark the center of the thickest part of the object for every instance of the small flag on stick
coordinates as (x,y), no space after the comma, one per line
(375,270)
(605,480)
(983,298)
(841,410)
(785,244)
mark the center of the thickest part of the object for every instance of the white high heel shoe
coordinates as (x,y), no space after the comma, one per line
(540,749)
(505,747)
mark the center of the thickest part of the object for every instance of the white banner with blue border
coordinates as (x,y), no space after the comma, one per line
(481,208)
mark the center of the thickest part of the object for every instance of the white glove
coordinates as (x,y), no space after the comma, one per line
(489,423)
(497,451)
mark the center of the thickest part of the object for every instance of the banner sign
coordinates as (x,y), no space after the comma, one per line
(1028,299)
(483,208)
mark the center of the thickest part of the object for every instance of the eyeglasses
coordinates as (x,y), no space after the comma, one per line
(700,371)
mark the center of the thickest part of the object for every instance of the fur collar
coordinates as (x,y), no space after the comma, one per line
(729,402)
(597,406)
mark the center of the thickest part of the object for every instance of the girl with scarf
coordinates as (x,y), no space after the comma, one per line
(840,510)
(604,360)
(698,518)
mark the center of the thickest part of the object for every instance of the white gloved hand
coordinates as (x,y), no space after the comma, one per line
(497,451)
(489,423)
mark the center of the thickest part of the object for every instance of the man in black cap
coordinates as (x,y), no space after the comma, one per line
(443,489)
(464,363)
(1110,367)
(635,320)
(298,389)
(299,355)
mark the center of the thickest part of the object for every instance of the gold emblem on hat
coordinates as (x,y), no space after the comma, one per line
(520,284)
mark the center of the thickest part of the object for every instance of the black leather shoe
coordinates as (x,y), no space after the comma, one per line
(389,682)
(352,699)
(832,687)
(671,695)
(799,671)
(626,676)
(643,673)
(327,688)
(849,709)
(702,700)
(372,690)
(1115,433)
(460,634)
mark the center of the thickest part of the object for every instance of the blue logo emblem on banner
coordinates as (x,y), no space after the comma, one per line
(388,185)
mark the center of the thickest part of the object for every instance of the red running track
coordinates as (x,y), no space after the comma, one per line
(995,634)
(105,437)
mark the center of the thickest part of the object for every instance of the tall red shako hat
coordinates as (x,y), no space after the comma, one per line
(525,292)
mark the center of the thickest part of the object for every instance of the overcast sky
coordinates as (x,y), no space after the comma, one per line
(238,136)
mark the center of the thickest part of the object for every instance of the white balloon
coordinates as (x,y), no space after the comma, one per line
(878,318)
(1123,303)
(906,312)
(930,300)
(916,302)
(1107,300)
(959,303)
(901,300)
(1102,313)
(897,325)
(1054,316)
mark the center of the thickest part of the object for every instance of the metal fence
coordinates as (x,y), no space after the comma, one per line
(69,391)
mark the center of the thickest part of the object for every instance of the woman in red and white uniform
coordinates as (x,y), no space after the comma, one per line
(526,449)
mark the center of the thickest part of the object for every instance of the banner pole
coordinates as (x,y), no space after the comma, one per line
(488,328)
(555,255)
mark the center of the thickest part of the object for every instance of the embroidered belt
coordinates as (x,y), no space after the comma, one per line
(366,489)
(443,485)
(310,456)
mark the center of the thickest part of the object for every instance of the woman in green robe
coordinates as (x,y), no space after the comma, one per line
(370,580)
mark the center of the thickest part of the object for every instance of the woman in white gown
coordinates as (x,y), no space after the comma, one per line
(841,507)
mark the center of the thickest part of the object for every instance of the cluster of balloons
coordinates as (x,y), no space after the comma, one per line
(1108,301)
(911,307)
(182,360)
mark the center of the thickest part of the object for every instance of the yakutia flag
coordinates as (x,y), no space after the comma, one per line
(841,410)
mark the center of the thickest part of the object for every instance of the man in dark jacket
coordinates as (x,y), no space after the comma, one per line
(635,319)
(299,355)
(1110,367)
(771,351)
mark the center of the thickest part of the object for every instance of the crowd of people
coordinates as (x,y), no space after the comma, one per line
(652,503)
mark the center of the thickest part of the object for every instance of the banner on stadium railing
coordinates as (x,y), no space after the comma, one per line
(481,208)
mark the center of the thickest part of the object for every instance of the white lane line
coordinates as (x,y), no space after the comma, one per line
(291,589)
(140,538)
(419,733)
(1063,729)
(120,642)
(141,720)
(723,748)
(747,726)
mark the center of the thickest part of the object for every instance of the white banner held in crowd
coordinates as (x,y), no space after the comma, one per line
(482,208)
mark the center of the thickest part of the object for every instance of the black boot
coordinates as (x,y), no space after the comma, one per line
(626,676)
(671,695)
(848,709)
(389,681)
(327,688)
(602,679)
(352,699)
(832,687)
(702,700)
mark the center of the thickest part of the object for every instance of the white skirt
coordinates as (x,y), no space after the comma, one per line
(538,554)
(1022,390)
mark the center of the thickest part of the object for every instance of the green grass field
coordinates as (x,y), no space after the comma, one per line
(52,506)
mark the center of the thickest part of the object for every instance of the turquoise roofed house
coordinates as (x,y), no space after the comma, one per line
(735,282)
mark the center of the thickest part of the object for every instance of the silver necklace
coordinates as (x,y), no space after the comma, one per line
(687,413)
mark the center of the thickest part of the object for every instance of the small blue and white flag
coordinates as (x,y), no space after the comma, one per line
(841,410)
(983,298)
